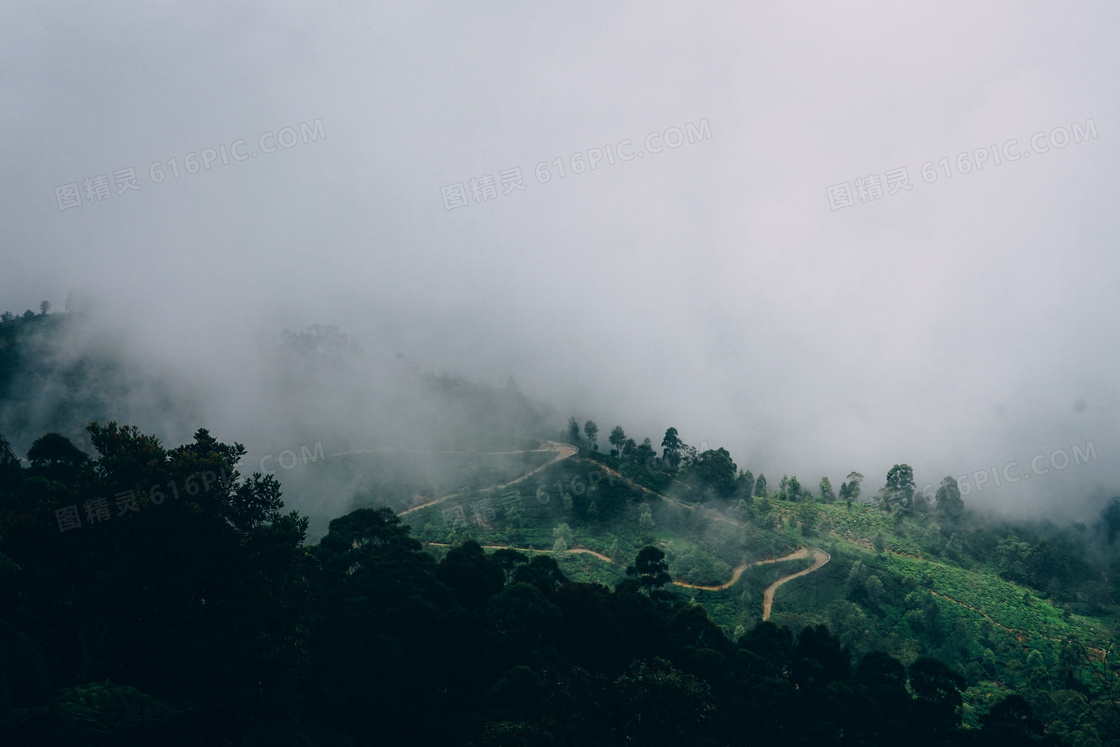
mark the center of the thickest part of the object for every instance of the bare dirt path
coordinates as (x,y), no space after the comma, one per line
(562,451)
(799,553)
(714,515)
(599,555)
(734,577)
(429,451)
(584,550)
(820,557)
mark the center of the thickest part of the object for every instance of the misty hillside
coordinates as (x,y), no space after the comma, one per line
(59,372)
(554,543)
(544,375)
(383,421)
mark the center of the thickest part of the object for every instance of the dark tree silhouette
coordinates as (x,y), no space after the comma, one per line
(650,569)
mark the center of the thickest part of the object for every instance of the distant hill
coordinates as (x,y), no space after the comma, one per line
(59,372)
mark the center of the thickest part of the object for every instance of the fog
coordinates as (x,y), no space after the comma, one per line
(727,286)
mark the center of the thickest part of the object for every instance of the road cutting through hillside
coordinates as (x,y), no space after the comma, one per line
(820,557)
(583,550)
(799,553)
(562,451)
(768,599)
(565,451)
(734,577)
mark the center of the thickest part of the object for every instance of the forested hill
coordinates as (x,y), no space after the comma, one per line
(530,588)
(61,371)
(154,596)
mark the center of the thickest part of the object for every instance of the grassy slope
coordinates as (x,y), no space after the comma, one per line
(982,608)
(1003,602)
(681,531)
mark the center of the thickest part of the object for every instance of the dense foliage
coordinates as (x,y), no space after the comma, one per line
(157,596)
(191,613)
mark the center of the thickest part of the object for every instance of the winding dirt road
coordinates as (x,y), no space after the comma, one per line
(796,554)
(584,550)
(562,451)
(820,557)
(734,577)
(799,553)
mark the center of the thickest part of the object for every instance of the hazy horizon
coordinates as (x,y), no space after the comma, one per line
(723,286)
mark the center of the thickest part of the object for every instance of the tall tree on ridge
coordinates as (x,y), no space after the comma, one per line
(592,432)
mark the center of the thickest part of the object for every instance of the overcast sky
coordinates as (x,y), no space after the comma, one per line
(742,286)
